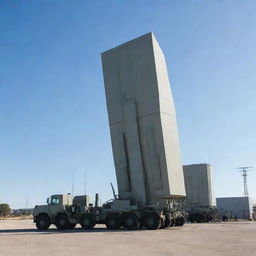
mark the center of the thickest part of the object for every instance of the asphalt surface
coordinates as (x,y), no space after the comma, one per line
(19,237)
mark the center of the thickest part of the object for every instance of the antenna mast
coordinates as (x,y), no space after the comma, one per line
(113,190)
(73,181)
(85,181)
(244,171)
(26,211)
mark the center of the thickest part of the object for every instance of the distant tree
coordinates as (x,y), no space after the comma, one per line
(5,210)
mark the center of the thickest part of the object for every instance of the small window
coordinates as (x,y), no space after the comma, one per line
(55,201)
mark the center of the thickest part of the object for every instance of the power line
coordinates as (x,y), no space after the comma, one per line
(244,171)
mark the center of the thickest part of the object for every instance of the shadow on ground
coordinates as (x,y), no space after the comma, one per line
(56,231)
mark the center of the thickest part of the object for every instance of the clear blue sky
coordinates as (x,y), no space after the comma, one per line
(53,114)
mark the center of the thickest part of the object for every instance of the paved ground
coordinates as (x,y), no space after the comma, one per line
(19,237)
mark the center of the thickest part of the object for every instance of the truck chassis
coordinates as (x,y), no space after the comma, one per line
(124,213)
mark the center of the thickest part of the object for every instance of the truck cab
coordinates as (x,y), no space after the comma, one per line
(62,210)
(58,203)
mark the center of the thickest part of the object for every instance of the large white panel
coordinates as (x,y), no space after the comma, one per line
(142,121)
(199,186)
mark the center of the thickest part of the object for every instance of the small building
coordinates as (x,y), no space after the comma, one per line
(24,211)
(199,186)
(240,207)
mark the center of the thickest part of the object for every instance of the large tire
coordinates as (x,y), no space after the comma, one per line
(43,222)
(167,222)
(198,218)
(151,221)
(113,221)
(72,225)
(172,224)
(87,221)
(130,221)
(180,221)
(62,222)
(191,218)
(162,225)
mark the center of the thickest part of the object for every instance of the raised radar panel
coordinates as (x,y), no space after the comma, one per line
(142,122)
(199,186)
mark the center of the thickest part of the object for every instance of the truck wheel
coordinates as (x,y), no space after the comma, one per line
(167,223)
(130,221)
(151,221)
(191,219)
(87,221)
(113,221)
(198,218)
(162,224)
(72,225)
(172,224)
(62,222)
(182,221)
(179,221)
(43,222)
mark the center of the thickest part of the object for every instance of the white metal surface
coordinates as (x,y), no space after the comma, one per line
(142,121)
(241,207)
(199,186)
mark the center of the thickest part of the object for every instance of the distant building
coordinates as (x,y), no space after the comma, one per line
(199,186)
(241,207)
(19,212)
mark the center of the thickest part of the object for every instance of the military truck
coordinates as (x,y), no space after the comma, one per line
(63,211)
(145,145)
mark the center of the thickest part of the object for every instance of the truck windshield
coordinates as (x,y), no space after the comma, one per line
(55,200)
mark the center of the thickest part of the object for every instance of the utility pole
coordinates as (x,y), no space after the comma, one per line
(244,171)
